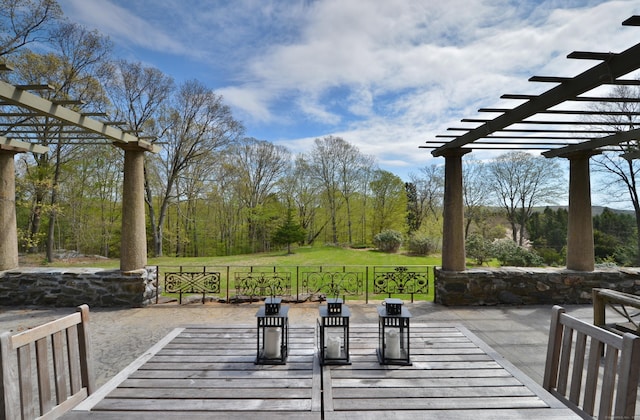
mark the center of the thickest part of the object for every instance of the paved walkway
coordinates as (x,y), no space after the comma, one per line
(119,336)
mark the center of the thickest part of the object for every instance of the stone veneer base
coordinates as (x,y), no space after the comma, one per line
(66,287)
(529,286)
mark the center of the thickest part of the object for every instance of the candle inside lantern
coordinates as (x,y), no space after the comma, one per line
(333,347)
(392,344)
(272,342)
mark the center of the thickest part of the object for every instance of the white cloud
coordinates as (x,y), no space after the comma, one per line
(385,75)
(119,23)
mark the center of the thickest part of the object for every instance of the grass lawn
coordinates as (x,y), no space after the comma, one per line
(305,256)
(320,255)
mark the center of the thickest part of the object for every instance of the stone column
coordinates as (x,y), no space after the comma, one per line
(133,248)
(8,223)
(580,255)
(453,253)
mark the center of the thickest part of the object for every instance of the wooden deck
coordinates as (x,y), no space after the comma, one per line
(209,372)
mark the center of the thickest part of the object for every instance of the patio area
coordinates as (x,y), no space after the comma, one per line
(120,335)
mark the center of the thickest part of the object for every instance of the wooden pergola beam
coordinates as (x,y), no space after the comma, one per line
(23,99)
(21,146)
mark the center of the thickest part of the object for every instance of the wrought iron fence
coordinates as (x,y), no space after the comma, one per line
(202,282)
(262,284)
(300,283)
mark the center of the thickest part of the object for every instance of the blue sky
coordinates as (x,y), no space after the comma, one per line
(385,75)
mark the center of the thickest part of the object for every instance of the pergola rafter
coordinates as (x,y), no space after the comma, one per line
(14,96)
(569,89)
(551,129)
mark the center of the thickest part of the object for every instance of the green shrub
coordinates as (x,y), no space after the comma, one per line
(388,241)
(550,256)
(479,248)
(420,244)
(509,253)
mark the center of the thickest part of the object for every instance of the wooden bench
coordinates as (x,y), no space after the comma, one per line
(619,302)
(46,370)
(575,349)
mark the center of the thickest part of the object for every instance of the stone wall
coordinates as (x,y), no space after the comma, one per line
(74,286)
(529,286)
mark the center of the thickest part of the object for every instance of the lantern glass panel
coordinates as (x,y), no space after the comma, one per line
(333,336)
(393,332)
(272,336)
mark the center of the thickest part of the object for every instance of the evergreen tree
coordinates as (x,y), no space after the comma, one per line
(289,232)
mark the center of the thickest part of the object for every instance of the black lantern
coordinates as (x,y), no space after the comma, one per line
(273,333)
(393,332)
(333,332)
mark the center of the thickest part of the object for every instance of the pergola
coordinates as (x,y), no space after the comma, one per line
(538,123)
(23,116)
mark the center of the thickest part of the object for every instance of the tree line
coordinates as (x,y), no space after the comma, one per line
(212,190)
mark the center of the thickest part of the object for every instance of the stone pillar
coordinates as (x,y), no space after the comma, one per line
(453,253)
(8,224)
(580,255)
(133,248)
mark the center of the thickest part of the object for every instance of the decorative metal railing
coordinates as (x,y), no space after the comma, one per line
(333,283)
(192,283)
(299,283)
(262,284)
(399,280)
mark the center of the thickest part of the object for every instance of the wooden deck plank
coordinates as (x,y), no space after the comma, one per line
(191,415)
(209,372)
(205,404)
(425,383)
(395,404)
(455,414)
(211,393)
(403,374)
(249,382)
(215,374)
(449,372)
(434,392)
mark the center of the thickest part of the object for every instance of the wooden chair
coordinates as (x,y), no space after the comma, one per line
(46,370)
(587,366)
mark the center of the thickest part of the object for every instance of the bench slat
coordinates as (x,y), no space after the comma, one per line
(58,366)
(618,374)
(40,366)
(44,378)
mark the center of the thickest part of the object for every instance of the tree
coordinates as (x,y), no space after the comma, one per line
(341,170)
(324,164)
(197,125)
(620,182)
(25,21)
(429,194)
(289,232)
(389,201)
(520,182)
(255,169)
(74,73)
(548,234)
(413,214)
(614,237)
(301,190)
(138,94)
(475,184)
